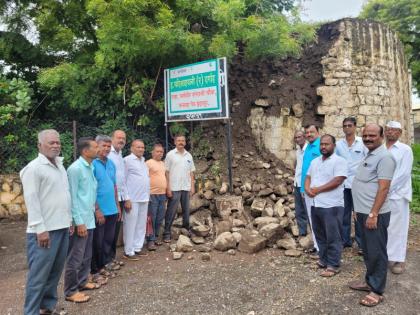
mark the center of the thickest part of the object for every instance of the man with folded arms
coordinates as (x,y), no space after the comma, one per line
(135,214)
(47,199)
(370,195)
(399,197)
(107,209)
(158,185)
(83,196)
(324,183)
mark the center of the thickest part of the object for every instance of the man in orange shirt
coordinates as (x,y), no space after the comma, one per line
(157,201)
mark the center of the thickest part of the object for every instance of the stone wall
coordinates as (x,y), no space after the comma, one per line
(11,197)
(362,73)
(366,76)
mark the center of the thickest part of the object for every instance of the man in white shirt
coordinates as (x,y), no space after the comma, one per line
(118,142)
(135,214)
(180,169)
(47,198)
(400,194)
(352,149)
(324,183)
(300,210)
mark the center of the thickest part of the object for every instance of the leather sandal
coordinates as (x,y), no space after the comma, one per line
(329,272)
(78,298)
(90,286)
(371,299)
(359,286)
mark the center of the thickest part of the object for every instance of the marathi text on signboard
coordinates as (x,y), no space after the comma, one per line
(197,91)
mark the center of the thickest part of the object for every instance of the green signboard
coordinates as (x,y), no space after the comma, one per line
(197,91)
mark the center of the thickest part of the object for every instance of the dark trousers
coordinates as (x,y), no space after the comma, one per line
(374,251)
(45,268)
(347,218)
(177,196)
(78,263)
(300,212)
(103,236)
(327,225)
(117,233)
(157,213)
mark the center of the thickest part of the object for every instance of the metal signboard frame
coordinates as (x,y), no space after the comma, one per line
(197,91)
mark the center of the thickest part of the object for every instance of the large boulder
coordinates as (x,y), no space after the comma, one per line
(306,242)
(184,244)
(261,221)
(251,242)
(201,230)
(223,226)
(279,210)
(271,231)
(196,202)
(287,243)
(225,205)
(225,241)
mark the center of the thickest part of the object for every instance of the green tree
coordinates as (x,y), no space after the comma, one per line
(404,17)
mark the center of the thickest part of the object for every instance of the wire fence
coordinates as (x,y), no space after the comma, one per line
(18,144)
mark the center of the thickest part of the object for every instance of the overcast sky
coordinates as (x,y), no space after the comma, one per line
(331,10)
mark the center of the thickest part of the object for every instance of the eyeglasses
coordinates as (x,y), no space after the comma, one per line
(347,126)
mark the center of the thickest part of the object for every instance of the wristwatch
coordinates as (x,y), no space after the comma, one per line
(371,215)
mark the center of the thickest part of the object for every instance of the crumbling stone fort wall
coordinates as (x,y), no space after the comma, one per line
(356,68)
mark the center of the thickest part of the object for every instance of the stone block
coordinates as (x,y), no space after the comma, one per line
(271,231)
(223,226)
(224,242)
(288,243)
(184,244)
(7,197)
(226,204)
(251,242)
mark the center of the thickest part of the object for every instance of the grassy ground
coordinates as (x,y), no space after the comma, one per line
(415,205)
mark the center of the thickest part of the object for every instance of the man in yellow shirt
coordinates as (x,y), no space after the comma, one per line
(158,185)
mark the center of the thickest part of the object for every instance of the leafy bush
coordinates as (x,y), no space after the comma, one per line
(415,205)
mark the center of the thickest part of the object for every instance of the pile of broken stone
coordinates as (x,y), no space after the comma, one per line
(255,216)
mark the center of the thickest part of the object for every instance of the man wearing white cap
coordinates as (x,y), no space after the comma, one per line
(399,197)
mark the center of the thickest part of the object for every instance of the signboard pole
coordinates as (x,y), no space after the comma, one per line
(166,138)
(229,153)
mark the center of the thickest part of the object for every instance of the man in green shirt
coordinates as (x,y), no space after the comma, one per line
(83,196)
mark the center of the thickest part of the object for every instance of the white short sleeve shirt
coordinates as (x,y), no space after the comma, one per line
(322,172)
(180,166)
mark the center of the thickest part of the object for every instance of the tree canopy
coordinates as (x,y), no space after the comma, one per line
(104,59)
(404,17)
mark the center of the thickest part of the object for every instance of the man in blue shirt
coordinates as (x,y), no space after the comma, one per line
(83,196)
(107,208)
(312,152)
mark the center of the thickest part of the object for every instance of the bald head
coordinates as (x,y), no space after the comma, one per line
(118,140)
(137,148)
(372,136)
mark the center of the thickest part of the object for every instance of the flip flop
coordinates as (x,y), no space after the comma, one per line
(359,286)
(78,298)
(330,272)
(371,299)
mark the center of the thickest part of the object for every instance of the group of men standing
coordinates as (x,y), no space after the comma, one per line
(360,178)
(74,217)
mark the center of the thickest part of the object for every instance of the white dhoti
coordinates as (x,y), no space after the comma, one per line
(135,227)
(309,202)
(398,229)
